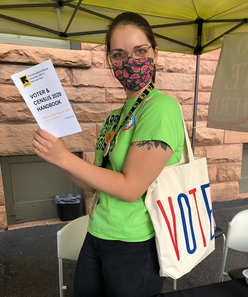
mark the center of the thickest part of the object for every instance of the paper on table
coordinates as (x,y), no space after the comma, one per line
(41,89)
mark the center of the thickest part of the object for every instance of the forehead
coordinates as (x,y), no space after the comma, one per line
(127,37)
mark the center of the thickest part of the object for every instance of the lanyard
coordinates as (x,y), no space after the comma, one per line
(110,137)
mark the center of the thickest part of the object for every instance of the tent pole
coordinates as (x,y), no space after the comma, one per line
(72,17)
(59,19)
(197,52)
(195,100)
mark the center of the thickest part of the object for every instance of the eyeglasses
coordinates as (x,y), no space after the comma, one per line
(120,55)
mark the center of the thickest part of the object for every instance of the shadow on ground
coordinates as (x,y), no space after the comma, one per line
(29,268)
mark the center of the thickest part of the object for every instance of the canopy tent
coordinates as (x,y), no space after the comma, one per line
(183,26)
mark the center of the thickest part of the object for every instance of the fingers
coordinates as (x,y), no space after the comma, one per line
(48,146)
(36,150)
(42,134)
(36,145)
(41,140)
(37,140)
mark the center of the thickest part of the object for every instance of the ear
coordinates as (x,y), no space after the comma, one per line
(155,54)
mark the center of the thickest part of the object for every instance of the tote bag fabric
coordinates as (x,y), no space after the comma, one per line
(180,207)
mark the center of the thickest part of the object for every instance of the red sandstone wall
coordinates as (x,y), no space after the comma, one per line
(93,93)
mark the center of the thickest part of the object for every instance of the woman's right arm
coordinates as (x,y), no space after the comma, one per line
(80,183)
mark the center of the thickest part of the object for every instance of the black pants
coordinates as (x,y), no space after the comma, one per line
(117,269)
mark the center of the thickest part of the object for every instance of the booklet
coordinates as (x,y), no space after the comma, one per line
(42,91)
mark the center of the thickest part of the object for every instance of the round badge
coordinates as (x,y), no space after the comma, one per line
(129,125)
(109,137)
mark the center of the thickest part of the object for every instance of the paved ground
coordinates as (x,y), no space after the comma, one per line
(28,258)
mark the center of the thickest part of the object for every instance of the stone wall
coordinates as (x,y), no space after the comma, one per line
(93,93)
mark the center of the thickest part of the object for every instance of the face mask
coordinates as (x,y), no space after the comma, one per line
(134,74)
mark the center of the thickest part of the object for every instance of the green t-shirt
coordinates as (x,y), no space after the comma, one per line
(159,119)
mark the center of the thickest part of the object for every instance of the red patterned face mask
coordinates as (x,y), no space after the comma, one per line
(134,74)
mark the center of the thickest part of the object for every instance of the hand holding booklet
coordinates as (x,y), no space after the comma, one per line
(42,91)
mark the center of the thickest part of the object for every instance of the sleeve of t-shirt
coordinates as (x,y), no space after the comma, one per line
(160,119)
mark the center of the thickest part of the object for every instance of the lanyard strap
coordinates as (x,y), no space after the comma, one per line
(110,137)
(136,104)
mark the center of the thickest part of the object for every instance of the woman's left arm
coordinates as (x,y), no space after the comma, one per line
(145,160)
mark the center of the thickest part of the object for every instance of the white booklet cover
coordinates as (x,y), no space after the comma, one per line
(42,91)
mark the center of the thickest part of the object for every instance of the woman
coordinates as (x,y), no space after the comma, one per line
(118,257)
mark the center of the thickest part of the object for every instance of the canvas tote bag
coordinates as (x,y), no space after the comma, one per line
(180,207)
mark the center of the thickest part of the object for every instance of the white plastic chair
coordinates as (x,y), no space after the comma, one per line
(69,242)
(236,238)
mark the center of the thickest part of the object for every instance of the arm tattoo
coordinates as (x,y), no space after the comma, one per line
(150,144)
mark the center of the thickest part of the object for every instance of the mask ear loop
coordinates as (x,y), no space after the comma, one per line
(155,55)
